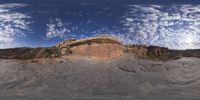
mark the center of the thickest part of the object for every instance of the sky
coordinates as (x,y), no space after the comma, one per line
(41,23)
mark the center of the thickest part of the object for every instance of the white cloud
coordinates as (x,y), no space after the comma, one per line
(56,28)
(12,24)
(169,26)
(129,19)
(87,4)
(12,5)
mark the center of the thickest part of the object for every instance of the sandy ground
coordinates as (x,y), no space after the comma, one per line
(85,79)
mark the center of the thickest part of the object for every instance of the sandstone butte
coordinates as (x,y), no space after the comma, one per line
(99,48)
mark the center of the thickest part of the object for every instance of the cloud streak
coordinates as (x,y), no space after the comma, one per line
(56,28)
(12,24)
(175,26)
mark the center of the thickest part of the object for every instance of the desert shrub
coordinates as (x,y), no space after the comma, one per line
(47,53)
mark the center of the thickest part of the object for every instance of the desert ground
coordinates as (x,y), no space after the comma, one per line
(126,78)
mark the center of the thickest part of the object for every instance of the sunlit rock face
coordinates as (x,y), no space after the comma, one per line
(102,48)
(99,51)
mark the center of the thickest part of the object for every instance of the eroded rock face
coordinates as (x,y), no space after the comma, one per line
(157,51)
(101,48)
(140,51)
(99,51)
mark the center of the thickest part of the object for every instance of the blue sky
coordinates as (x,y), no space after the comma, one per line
(37,23)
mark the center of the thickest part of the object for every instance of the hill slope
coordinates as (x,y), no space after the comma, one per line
(103,48)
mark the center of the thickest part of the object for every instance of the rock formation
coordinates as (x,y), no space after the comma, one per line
(97,48)
(102,47)
(137,50)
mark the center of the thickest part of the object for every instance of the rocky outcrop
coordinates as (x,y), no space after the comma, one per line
(97,48)
(137,50)
(99,51)
(154,52)
(102,47)
(157,51)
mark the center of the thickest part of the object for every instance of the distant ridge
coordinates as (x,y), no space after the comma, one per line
(103,47)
